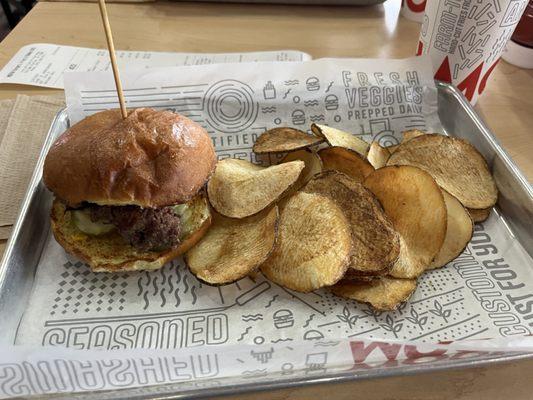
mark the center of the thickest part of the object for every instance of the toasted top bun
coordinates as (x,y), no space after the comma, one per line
(150,159)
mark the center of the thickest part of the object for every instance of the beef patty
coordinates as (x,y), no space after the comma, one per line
(144,228)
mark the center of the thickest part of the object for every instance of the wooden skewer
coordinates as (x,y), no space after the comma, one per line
(111,48)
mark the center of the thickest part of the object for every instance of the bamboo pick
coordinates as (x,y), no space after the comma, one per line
(111,48)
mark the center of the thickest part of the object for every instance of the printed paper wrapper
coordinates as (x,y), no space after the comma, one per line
(211,370)
(485,293)
(413,9)
(466,38)
(43,64)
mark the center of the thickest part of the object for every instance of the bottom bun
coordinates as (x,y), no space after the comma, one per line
(111,253)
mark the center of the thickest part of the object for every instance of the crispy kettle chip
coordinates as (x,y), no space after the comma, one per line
(375,243)
(279,140)
(377,155)
(455,165)
(346,161)
(411,134)
(415,205)
(313,246)
(313,166)
(233,248)
(458,232)
(336,137)
(384,293)
(239,188)
(479,215)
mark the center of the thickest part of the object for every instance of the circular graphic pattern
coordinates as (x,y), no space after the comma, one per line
(296,99)
(230,106)
(337,118)
(277,121)
(386,138)
(259,340)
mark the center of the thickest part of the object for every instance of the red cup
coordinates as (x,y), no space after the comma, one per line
(413,9)
(519,50)
(465,39)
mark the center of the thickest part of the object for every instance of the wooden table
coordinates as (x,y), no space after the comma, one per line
(506,106)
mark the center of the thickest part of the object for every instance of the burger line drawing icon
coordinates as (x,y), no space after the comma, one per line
(312,84)
(332,102)
(298,117)
(283,319)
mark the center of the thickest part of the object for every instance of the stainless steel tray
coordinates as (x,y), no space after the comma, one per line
(25,246)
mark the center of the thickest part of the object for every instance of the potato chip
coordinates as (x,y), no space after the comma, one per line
(415,205)
(346,161)
(408,135)
(313,166)
(313,246)
(375,242)
(458,232)
(279,140)
(254,275)
(353,275)
(377,156)
(239,188)
(455,165)
(336,137)
(392,148)
(479,215)
(233,248)
(384,294)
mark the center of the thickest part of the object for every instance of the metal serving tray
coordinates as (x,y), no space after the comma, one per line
(25,246)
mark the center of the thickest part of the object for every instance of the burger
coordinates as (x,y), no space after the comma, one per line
(129,193)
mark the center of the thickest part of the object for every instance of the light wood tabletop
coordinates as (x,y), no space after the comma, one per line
(506,106)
